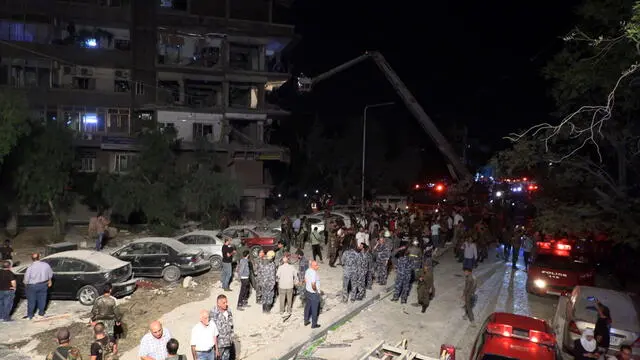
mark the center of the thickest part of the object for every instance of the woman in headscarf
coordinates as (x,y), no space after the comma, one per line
(586,347)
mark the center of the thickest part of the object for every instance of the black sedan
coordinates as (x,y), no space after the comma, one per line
(163,257)
(82,274)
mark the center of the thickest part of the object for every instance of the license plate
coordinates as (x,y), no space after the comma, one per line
(616,341)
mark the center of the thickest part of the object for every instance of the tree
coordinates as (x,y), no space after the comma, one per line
(13,120)
(587,161)
(158,186)
(43,177)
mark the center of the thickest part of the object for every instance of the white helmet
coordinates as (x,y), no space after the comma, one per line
(387,233)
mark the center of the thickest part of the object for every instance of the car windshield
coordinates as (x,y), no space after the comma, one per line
(560,263)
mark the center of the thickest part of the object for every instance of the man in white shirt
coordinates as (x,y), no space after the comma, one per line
(204,339)
(297,224)
(312,287)
(457,218)
(362,237)
(435,234)
(153,345)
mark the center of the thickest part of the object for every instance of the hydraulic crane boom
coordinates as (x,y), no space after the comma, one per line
(461,171)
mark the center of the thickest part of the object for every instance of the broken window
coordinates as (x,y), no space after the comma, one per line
(243,95)
(244,57)
(169,92)
(183,50)
(202,93)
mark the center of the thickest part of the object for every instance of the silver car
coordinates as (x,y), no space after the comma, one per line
(209,241)
(577,312)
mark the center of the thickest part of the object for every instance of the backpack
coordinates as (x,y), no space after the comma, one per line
(107,351)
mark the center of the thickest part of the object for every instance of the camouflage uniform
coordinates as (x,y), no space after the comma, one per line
(279,255)
(403,279)
(104,310)
(303,265)
(65,353)
(369,266)
(225,332)
(426,289)
(415,256)
(383,253)
(267,281)
(361,275)
(349,276)
(333,247)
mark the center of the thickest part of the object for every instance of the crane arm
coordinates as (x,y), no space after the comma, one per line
(412,104)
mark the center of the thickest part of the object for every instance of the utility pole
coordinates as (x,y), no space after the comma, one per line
(364,146)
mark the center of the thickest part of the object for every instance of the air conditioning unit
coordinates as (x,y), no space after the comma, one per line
(86,71)
(122,74)
(69,70)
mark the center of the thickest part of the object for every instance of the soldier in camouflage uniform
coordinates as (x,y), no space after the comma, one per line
(254,265)
(223,318)
(369,266)
(267,281)
(105,310)
(302,263)
(361,273)
(403,279)
(426,289)
(279,253)
(333,246)
(349,275)
(64,351)
(383,253)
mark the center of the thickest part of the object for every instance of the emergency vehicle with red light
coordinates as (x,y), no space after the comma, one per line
(558,267)
(505,336)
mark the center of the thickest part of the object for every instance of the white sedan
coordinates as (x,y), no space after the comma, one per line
(209,241)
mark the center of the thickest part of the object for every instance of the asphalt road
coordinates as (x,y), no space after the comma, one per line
(499,289)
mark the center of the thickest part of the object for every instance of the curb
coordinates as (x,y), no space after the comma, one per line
(293,352)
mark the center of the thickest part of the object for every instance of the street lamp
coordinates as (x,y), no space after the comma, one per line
(364,145)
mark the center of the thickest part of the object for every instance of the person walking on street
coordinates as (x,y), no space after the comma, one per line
(287,277)
(105,310)
(204,339)
(244,272)
(469,294)
(426,289)
(64,351)
(37,280)
(316,237)
(267,281)
(8,287)
(527,246)
(312,287)
(516,242)
(470,252)
(227,258)
(223,319)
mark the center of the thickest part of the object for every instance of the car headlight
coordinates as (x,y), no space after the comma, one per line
(540,283)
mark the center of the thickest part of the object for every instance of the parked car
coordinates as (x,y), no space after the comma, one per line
(82,274)
(511,336)
(334,214)
(209,241)
(163,257)
(244,236)
(318,222)
(577,311)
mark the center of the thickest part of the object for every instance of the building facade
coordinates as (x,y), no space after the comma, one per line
(110,68)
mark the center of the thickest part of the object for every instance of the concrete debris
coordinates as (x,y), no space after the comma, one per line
(186,282)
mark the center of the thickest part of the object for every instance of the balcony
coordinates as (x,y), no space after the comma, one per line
(99,12)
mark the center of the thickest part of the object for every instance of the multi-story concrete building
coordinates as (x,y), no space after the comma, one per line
(109,68)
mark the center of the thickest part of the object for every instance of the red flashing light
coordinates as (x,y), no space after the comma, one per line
(417,187)
(565,247)
(439,188)
(500,329)
(524,179)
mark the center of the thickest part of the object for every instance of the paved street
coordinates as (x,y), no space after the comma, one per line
(499,289)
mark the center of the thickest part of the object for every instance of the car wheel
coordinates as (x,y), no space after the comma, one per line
(87,295)
(255,251)
(216,262)
(171,273)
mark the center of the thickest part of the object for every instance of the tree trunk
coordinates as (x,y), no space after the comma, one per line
(58,226)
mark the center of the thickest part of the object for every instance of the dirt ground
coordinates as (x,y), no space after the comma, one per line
(151,300)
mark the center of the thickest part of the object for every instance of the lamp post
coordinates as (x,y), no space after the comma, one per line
(364,145)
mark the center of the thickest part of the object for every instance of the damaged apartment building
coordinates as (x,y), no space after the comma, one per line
(110,68)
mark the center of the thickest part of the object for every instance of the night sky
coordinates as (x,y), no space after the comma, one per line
(471,62)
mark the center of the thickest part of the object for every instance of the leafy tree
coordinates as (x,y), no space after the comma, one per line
(13,120)
(587,161)
(164,191)
(43,178)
